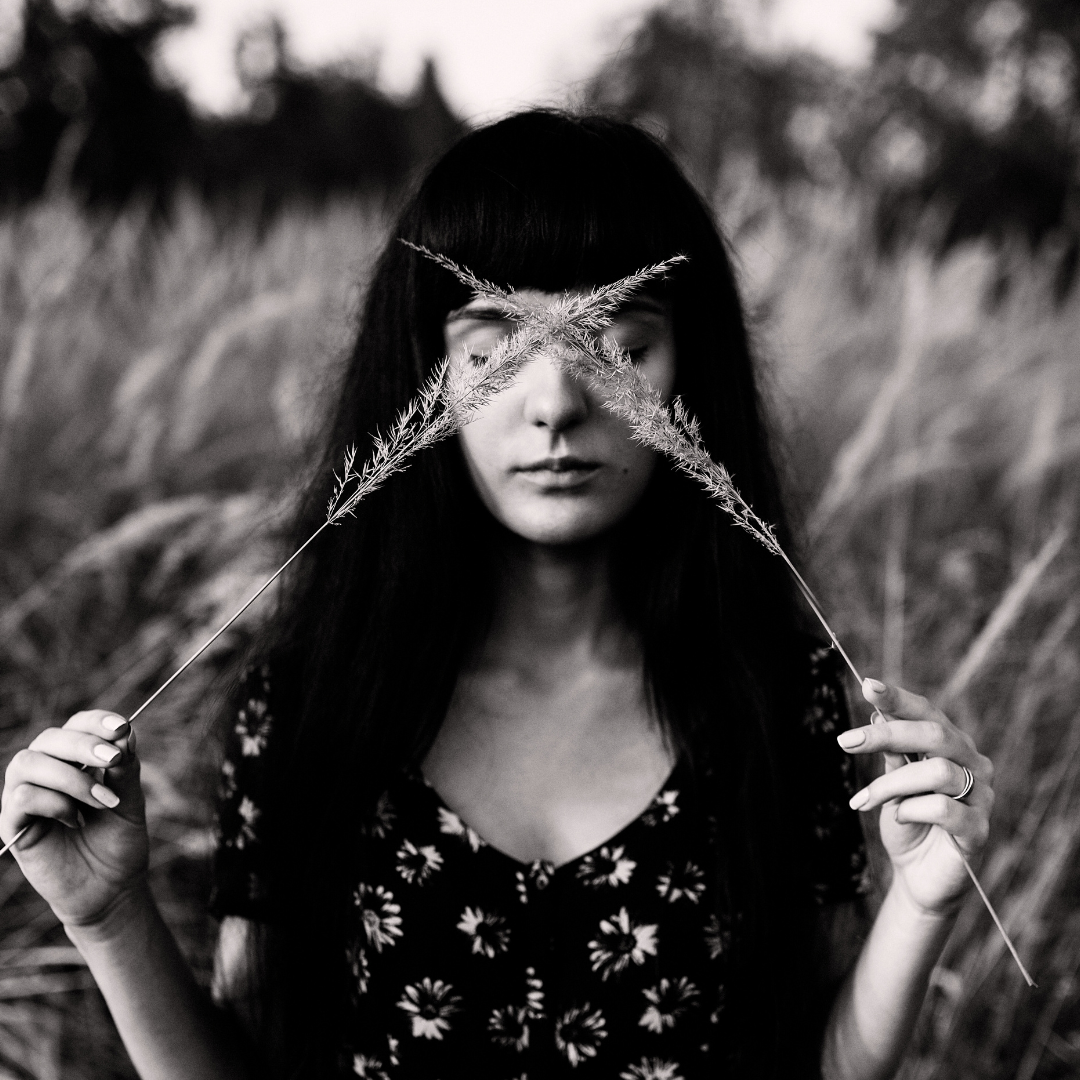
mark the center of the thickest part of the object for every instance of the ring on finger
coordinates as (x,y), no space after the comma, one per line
(969,783)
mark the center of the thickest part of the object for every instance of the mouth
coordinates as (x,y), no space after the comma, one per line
(559,472)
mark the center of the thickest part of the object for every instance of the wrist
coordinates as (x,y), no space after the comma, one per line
(128,910)
(900,898)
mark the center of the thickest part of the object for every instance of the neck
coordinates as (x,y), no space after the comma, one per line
(555,604)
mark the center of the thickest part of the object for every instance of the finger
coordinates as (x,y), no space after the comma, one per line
(101,722)
(32,767)
(123,779)
(915,737)
(892,761)
(80,747)
(919,778)
(902,704)
(29,803)
(969,823)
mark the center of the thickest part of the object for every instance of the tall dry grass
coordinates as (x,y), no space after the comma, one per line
(932,418)
(155,396)
(157,391)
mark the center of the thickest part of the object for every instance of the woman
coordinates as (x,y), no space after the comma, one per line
(538,774)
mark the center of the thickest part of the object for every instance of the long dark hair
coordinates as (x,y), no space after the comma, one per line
(383,610)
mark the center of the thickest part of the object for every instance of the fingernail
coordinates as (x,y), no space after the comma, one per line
(877,687)
(105,796)
(854,737)
(113,723)
(859,799)
(80,819)
(876,717)
(105,752)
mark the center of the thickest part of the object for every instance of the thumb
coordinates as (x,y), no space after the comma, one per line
(123,779)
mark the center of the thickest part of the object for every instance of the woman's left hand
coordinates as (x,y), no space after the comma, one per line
(914,797)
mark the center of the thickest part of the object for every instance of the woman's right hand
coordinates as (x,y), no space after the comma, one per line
(80,853)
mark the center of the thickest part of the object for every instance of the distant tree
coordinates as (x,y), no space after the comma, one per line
(689,74)
(966,123)
(311,133)
(973,107)
(82,109)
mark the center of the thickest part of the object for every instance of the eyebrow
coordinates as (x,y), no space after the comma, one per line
(486,311)
(644,303)
(482,311)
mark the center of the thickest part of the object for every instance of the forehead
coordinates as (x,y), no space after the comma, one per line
(645,305)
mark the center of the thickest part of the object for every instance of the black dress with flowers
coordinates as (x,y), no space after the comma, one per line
(611,965)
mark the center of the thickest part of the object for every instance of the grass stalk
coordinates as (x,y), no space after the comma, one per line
(572,324)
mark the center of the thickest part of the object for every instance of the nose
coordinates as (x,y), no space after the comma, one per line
(553,399)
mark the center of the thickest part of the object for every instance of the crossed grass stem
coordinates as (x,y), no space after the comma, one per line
(573,324)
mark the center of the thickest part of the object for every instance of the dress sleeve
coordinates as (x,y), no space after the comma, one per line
(239,862)
(838,862)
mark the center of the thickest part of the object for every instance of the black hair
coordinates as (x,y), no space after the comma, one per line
(383,610)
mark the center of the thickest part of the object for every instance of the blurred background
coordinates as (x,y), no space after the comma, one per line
(191,197)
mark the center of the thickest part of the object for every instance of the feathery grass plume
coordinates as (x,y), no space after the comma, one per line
(445,402)
(573,323)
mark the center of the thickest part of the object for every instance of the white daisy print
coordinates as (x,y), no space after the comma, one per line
(358,965)
(662,809)
(430,1004)
(508,1028)
(668,1000)
(382,820)
(538,876)
(677,884)
(417,864)
(227,787)
(253,726)
(249,814)
(652,1069)
(717,938)
(534,994)
(608,866)
(370,1068)
(391,1050)
(380,916)
(540,871)
(488,932)
(579,1032)
(620,942)
(452,825)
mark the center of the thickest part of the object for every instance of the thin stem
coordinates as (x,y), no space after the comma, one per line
(200,650)
(221,630)
(993,914)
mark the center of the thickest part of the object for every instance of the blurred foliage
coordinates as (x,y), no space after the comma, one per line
(965,124)
(161,386)
(903,234)
(82,108)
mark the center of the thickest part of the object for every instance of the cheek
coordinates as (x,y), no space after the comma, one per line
(483,443)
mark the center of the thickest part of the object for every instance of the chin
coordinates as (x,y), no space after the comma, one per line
(555,529)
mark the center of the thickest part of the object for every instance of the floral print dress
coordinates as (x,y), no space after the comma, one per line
(610,965)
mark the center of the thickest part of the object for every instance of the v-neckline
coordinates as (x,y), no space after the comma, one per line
(416,776)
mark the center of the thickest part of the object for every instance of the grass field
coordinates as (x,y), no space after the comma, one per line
(157,388)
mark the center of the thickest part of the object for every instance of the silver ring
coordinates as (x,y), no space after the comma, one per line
(967,786)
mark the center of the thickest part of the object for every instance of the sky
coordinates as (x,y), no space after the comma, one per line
(492,55)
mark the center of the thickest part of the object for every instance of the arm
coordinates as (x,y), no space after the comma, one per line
(878,1005)
(86,852)
(168,1023)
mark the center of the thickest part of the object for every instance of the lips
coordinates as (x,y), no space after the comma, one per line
(559,472)
(562,464)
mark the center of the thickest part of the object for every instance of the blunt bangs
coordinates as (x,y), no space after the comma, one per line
(549,201)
